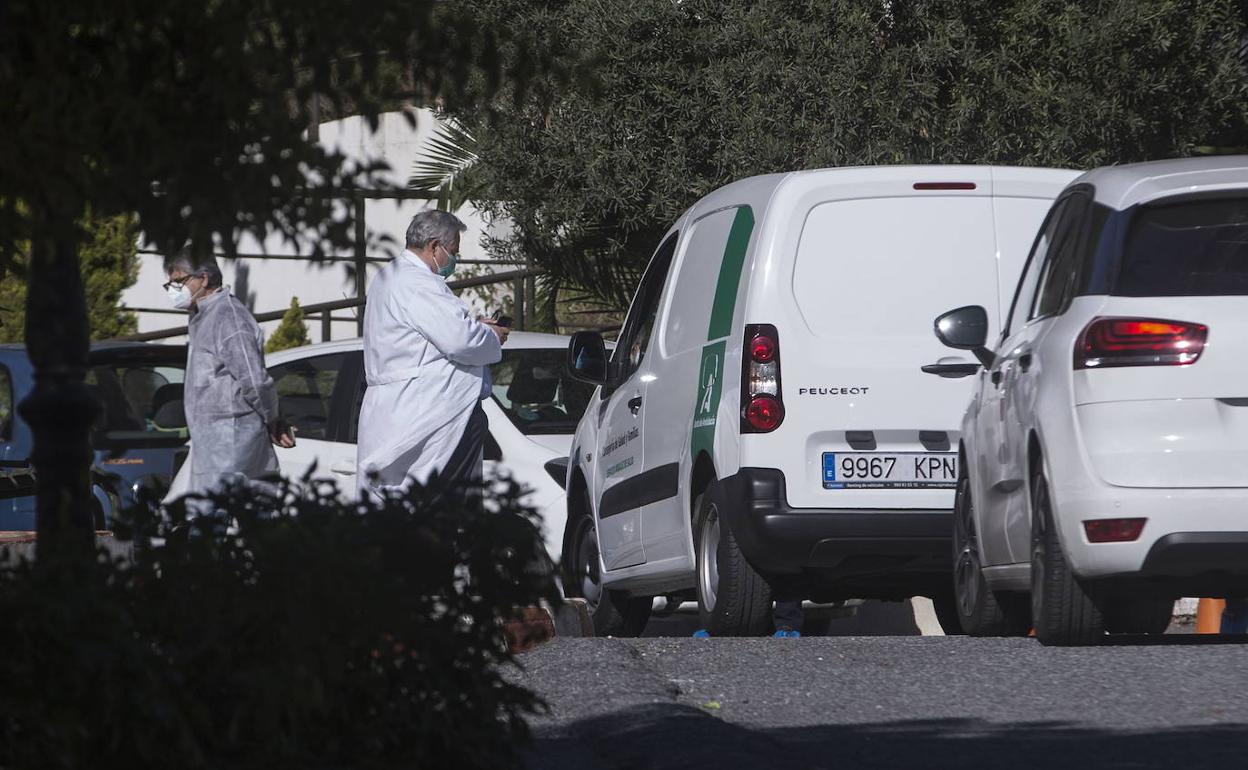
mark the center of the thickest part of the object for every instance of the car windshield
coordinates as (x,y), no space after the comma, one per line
(533,388)
(140,397)
(1191,248)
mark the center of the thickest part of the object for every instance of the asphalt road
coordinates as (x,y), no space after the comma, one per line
(1179,701)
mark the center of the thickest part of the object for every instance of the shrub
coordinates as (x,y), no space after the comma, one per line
(285,629)
(291,332)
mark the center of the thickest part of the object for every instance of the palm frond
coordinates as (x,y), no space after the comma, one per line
(445,161)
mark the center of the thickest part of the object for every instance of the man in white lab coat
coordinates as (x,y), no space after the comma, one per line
(425,360)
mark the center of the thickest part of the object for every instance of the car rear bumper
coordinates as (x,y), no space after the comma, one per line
(839,543)
(1190,536)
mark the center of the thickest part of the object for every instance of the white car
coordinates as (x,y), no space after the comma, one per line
(1105,450)
(764,423)
(533,413)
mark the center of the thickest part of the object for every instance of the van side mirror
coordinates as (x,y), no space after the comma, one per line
(587,358)
(966,329)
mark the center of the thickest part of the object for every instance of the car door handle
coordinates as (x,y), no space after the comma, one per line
(634,404)
(951,370)
(343,468)
(1024,362)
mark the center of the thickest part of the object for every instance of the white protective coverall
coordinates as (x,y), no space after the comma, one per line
(230,398)
(424,360)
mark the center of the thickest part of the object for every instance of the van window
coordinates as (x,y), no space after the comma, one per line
(694,288)
(873,273)
(1186,249)
(634,338)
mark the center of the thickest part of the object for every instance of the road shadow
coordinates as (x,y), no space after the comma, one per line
(678,737)
(871,618)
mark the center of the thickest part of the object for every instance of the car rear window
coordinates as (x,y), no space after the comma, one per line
(1191,248)
(533,388)
(140,399)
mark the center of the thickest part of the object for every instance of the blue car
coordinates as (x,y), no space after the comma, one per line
(139,438)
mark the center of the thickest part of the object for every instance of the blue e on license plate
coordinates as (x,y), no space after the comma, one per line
(882,470)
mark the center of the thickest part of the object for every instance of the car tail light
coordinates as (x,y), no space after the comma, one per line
(1108,342)
(762,406)
(1113,530)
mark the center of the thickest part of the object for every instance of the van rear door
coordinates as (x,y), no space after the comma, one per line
(867,426)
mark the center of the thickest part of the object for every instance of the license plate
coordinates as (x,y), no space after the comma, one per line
(880,470)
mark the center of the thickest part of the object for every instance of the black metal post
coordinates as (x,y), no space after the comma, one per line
(361,261)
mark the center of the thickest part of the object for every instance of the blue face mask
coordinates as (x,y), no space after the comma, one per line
(451,259)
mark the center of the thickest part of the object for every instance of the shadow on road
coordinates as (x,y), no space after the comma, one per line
(677,737)
(872,618)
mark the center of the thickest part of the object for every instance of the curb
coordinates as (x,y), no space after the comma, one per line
(529,627)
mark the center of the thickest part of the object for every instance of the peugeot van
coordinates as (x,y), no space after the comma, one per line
(764,423)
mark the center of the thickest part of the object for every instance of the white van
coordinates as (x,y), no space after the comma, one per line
(764,421)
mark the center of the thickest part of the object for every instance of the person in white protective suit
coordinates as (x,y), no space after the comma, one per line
(230,400)
(425,360)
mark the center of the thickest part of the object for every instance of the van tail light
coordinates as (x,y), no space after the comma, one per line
(762,405)
(1108,342)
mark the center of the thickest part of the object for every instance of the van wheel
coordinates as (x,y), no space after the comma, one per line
(733,599)
(614,613)
(1138,616)
(1064,611)
(979,610)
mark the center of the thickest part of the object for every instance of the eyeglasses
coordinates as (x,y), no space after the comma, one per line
(177,282)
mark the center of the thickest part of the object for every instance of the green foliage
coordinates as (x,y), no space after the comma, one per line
(689,96)
(212,144)
(279,632)
(109,263)
(444,170)
(291,332)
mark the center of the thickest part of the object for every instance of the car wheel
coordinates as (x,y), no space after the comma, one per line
(978,610)
(1064,611)
(733,599)
(614,613)
(1146,615)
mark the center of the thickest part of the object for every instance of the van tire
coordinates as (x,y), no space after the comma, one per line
(1147,615)
(733,599)
(1066,613)
(613,613)
(980,610)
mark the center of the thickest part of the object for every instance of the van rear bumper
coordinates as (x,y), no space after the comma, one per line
(836,542)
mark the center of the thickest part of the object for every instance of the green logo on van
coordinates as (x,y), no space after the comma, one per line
(723,307)
(710,385)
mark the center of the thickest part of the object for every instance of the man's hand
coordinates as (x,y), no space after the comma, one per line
(282,434)
(501,331)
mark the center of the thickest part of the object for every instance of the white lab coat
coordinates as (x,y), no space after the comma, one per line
(424,359)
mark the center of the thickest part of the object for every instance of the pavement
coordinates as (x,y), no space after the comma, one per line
(897,700)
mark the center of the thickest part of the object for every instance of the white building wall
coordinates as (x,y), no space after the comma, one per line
(268,284)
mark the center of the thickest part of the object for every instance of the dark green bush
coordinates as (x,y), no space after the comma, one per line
(319,636)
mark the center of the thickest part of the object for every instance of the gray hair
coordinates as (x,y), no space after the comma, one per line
(205,264)
(433,225)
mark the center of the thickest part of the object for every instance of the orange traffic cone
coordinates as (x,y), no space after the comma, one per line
(1209,616)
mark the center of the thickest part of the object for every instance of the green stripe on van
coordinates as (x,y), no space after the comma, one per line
(711,370)
(725,302)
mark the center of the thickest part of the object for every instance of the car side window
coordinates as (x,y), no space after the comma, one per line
(635,337)
(1062,269)
(6,404)
(1024,295)
(305,392)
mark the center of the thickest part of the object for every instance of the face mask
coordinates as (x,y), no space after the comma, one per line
(180,297)
(446,270)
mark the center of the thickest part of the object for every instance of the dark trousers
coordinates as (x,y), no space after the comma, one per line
(460,479)
(788,614)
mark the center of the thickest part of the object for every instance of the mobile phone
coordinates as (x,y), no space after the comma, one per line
(502,320)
